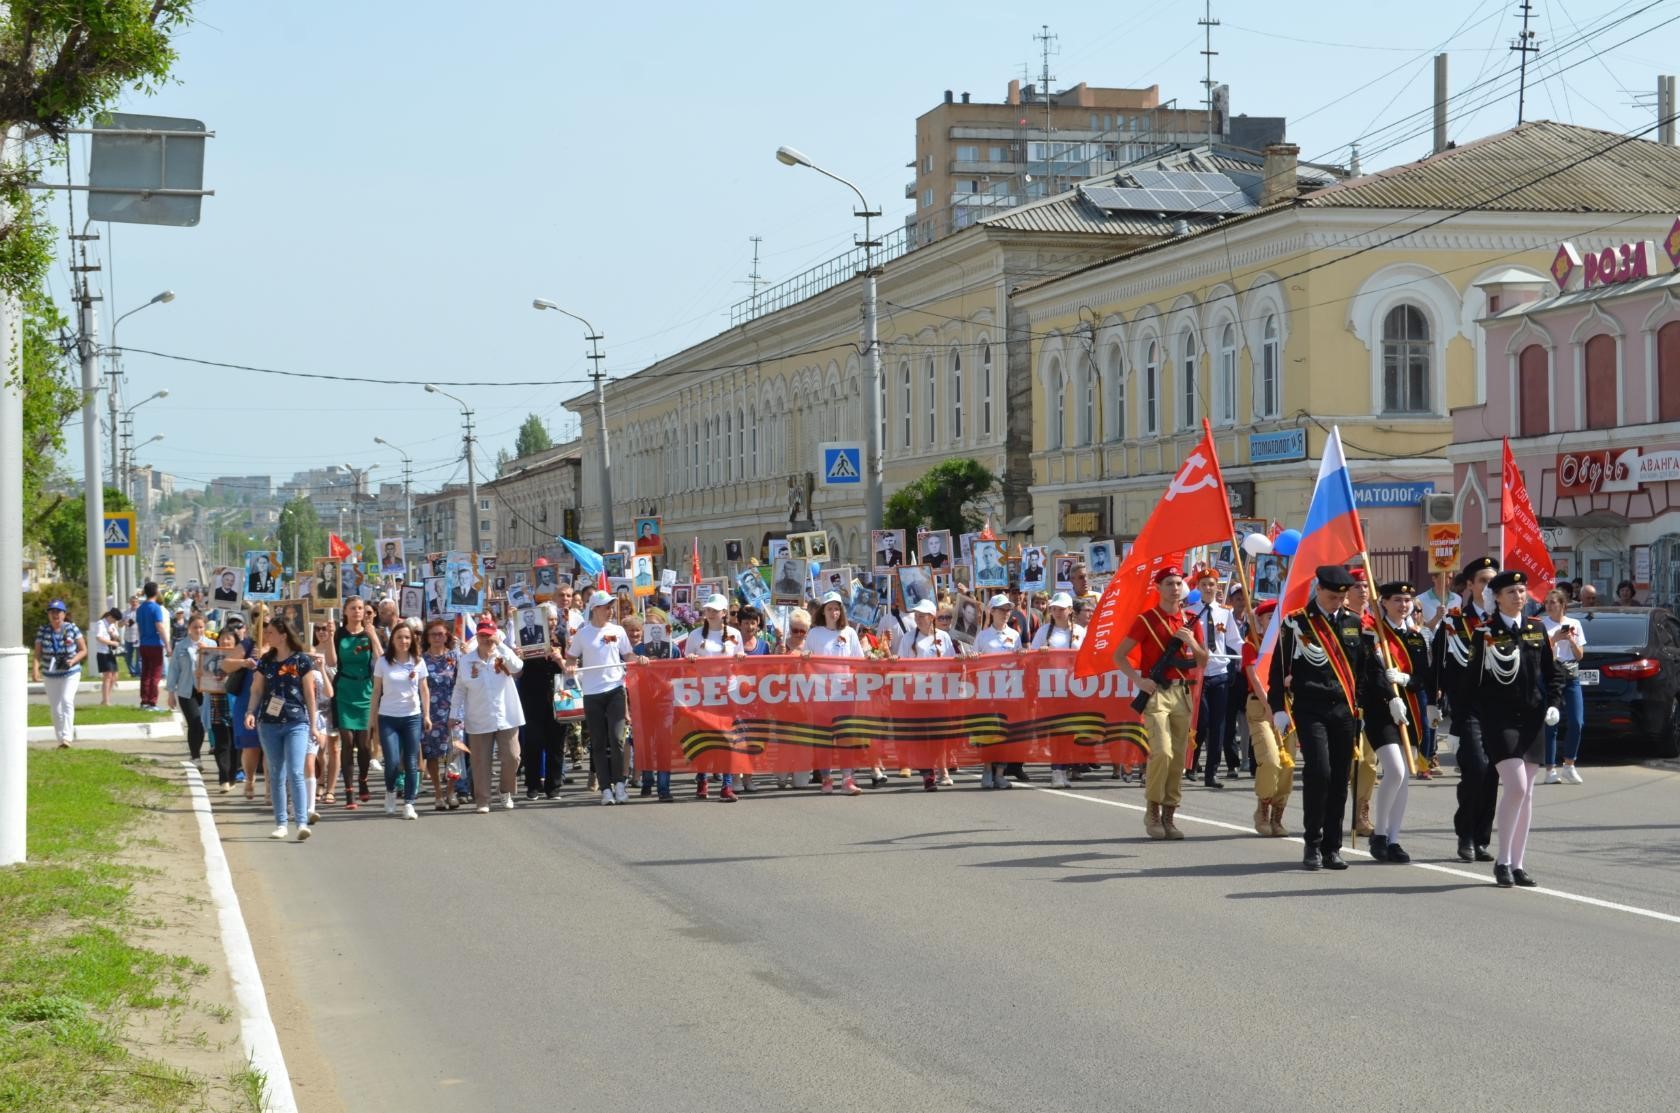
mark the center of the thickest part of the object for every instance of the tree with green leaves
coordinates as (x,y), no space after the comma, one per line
(946,496)
(533,437)
(63,532)
(50,398)
(302,536)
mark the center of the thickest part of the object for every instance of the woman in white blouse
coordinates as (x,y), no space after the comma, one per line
(486,705)
(1569,645)
(997,637)
(833,636)
(925,639)
(1059,632)
(603,649)
(713,638)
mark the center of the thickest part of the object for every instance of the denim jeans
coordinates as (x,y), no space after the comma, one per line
(284,746)
(399,741)
(1570,725)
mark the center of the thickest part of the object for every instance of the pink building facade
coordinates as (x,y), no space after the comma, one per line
(1582,372)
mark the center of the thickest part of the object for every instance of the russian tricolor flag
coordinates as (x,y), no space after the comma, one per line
(1332,535)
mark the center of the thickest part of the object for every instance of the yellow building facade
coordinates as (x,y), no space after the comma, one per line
(1351,306)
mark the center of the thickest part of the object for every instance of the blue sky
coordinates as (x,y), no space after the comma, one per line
(396,181)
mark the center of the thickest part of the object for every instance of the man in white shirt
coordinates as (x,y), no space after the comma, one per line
(1218,632)
(486,704)
(1434,607)
(603,650)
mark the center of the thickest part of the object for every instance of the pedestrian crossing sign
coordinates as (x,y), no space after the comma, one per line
(842,463)
(121,536)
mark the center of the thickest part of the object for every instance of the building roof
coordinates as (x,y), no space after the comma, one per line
(1073,212)
(1541,166)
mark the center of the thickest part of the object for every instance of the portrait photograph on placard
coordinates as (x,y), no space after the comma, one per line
(962,577)
(1268,576)
(545,578)
(816,545)
(965,619)
(519,595)
(649,536)
(530,632)
(466,589)
(616,563)
(390,550)
(498,584)
(411,603)
(965,545)
(436,563)
(732,550)
(437,596)
(796,546)
(682,595)
(1063,564)
(624,595)
(264,575)
(641,575)
(296,614)
(865,606)
(934,549)
(887,547)
(787,581)
(227,585)
(328,586)
(778,549)
(1100,559)
(915,583)
(1035,574)
(304,585)
(990,569)
(835,578)
(498,610)
(713,585)
(752,587)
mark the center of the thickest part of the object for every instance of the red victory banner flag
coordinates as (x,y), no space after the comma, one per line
(336,548)
(1522,548)
(1196,510)
(784,714)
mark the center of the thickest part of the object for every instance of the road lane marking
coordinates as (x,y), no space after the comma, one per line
(1577,898)
(256,1026)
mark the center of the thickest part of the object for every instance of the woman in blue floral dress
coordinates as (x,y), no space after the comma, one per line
(441,654)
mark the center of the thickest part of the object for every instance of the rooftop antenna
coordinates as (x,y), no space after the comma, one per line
(1047,46)
(1208,23)
(753,280)
(1525,44)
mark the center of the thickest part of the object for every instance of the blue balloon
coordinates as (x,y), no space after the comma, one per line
(1287,542)
(1193,598)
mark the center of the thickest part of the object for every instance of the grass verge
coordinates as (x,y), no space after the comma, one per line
(70,982)
(40,715)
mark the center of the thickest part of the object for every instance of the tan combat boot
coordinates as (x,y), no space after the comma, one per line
(1362,821)
(1152,822)
(1263,819)
(1278,829)
(1167,822)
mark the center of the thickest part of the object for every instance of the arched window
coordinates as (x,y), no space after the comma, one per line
(904,375)
(1086,411)
(1225,378)
(1269,390)
(753,417)
(1187,383)
(1405,361)
(1058,406)
(1534,388)
(1114,395)
(956,397)
(1152,389)
(728,446)
(1602,387)
(932,410)
(740,443)
(1668,372)
(986,391)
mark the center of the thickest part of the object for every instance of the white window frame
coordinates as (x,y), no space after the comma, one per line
(931,378)
(1058,405)
(1225,382)
(909,402)
(1406,349)
(1187,381)
(956,396)
(1271,371)
(1151,388)
(1114,395)
(986,390)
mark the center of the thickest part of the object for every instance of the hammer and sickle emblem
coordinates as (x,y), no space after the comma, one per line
(1193,464)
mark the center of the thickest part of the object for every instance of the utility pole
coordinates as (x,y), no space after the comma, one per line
(1526,43)
(600,379)
(1047,47)
(1207,23)
(94,478)
(14,655)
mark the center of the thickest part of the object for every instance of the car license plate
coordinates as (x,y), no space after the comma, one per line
(1589,676)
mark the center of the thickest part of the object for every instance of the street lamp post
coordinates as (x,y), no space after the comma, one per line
(595,356)
(408,495)
(472,474)
(787,156)
(123,480)
(115,392)
(357,477)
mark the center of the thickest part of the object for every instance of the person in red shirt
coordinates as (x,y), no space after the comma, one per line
(1162,633)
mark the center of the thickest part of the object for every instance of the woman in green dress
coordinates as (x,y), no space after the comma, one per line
(354,646)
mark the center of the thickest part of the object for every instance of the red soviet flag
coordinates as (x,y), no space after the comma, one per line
(1522,548)
(1196,510)
(336,548)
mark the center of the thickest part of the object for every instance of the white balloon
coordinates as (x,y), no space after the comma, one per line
(1257,544)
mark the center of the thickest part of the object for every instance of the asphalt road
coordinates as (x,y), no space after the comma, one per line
(965,950)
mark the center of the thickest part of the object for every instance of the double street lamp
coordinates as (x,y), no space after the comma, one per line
(472,474)
(787,156)
(595,356)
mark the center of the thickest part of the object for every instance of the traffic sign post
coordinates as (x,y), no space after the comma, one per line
(122,534)
(840,463)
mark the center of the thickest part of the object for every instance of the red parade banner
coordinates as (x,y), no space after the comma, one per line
(785,714)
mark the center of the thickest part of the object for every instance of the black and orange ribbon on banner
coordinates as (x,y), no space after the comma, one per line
(787,714)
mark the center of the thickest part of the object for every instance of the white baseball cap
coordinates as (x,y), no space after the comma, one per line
(1061,599)
(600,599)
(716,602)
(999,600)
(925,606)
(833,597)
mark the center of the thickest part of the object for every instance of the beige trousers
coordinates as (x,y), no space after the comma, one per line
(483,748)
(1274,764)
(1166,723)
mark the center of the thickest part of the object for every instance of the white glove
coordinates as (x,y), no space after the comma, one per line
(1397,678)
(1397,710)
(1552,716)
(1434,717)
(1280,719)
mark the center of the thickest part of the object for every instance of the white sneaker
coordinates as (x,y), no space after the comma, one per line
(1552,777)
(621,793)
(485,810)
(278,833)
(314,816)
(303,833)
(1058,779)
(945,779)
(986,776)
(409,812)
(390,803)
(1571,775)
(607,796)
(507,800)
(375,765)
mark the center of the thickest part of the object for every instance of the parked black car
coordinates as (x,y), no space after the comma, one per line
(1630,677)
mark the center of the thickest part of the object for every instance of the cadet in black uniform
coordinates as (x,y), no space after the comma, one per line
(1412,673)
(1327,667)
(1518,691)
(1478,786)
